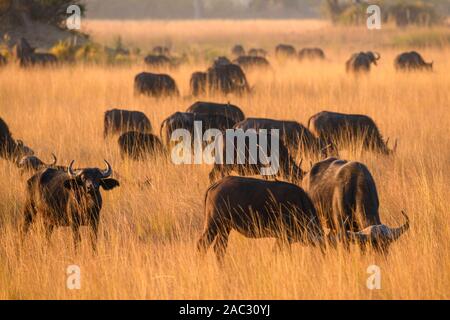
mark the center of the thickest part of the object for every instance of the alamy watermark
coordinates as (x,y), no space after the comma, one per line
(73,22)
(239,147)
(374,19)
(374,280)
(73,281)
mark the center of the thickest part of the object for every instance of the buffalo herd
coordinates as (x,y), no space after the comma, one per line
(337,203)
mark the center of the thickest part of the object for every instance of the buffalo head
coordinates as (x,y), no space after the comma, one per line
(90,179)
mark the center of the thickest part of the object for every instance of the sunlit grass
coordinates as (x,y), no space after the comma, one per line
(148,234)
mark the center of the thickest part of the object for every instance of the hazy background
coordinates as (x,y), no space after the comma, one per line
(206,9)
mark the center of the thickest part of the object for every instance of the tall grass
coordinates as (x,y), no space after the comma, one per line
(147,233)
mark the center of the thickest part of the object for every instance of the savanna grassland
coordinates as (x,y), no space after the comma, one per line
(146,247)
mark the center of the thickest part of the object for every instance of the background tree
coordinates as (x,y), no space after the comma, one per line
(36,19)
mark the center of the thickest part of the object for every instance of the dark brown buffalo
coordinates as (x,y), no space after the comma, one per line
(361,62)
(138,145)
(409,61)
(250,62)
(186,120)
(11,149)
(155,85)
(258,209)
(253,163)
(28,57)
(33,164)
(238,50)
(257,52)
(227,79)
(311,54)
(293,134)
(117,121)
(198,83)
(346,197)
(69,199)
(344,129)
(159,61)
(211,108)
(285,51)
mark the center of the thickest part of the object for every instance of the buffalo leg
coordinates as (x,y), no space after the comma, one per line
(76,235)
(29,213)
(94,234)
(220,246)
(207,238)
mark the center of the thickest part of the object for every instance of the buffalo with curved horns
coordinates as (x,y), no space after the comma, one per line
(69,198)
(346,197)
(34,164)
(361,62)
(408,61)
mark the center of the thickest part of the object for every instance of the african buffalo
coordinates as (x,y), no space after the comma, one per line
(28,57)
(294,135)
(345,195)
(412,61)
(226,79)
(226,109)
(34,164)
(186,120)
(250,62)
(285,51)
(138,145)
(343,129)
(258,209)
(159,61)
(11,149)
(156,85)
(311,54)
(238,50)
(198,83)
(67,199)
(255,157)
(361,62)
(257,52)
(117,121)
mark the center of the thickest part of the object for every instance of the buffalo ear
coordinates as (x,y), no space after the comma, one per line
(109,183)
(72,184)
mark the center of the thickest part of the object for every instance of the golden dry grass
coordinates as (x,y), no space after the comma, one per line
(147,235)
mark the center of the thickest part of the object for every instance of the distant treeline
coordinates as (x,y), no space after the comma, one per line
(246,9)
(207,9)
